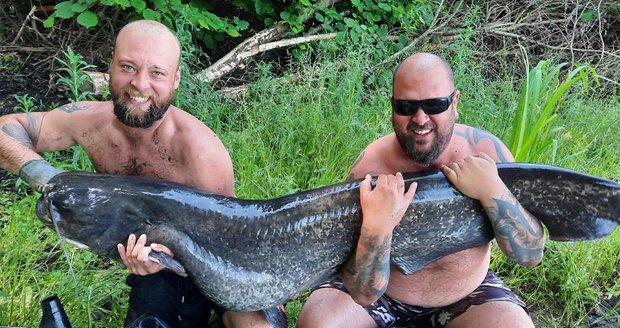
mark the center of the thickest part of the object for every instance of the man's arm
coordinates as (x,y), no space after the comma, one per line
(23,136)
(367,272)
(518,233)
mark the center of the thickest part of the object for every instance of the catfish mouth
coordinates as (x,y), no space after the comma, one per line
(43,211)
(46,212)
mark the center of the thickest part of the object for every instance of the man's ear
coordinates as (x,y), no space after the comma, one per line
(177,77)
(455,102)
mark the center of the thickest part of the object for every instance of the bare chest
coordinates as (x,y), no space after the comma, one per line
(151,159)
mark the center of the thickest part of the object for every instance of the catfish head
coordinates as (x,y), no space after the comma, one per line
(92,212)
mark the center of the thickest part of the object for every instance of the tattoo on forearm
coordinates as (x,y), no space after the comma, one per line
(515,225)
(371,270)
(17,133)
(474,136)
(72,107)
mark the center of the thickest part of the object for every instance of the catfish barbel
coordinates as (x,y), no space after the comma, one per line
(248,255)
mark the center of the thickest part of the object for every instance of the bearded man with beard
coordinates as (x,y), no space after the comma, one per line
(457,290)
(137,133)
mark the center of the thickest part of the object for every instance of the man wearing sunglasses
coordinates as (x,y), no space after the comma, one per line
(457,290)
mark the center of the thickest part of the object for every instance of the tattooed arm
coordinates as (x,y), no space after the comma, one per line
(22,136)
(367,272)
(518,234)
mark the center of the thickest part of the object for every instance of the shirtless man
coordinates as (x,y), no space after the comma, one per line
(458,290)
(138,133)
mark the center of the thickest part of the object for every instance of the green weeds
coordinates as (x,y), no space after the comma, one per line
(73,66)
(542,93)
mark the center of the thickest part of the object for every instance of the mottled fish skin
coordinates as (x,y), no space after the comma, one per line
(248,255)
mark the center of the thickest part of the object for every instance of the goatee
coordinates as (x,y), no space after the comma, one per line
(423,156)
(126,113)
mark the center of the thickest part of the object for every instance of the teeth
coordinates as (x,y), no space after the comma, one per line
(140,99)
(425,131)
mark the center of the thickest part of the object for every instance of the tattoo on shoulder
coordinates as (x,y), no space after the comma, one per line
(17,133)
(72,107)
(473,136)
(359,159)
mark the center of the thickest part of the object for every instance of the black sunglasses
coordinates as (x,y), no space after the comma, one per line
(431,106)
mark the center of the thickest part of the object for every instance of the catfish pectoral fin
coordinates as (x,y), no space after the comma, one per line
(276,317)
(169,262)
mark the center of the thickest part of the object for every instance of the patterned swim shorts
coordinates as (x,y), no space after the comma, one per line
(388,312)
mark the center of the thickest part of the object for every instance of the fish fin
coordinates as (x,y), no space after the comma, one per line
(169,262)
(409,260)
(410,264)
(276,316)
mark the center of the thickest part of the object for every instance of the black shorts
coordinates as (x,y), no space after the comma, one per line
(173,299)
(388,312)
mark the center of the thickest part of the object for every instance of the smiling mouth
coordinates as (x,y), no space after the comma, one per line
(140,100)
(422,131)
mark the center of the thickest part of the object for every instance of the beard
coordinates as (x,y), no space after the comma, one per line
(126,112)
(413,149)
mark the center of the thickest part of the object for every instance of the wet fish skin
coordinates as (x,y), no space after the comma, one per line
(248,255)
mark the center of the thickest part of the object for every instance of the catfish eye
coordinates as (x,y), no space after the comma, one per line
(148,222)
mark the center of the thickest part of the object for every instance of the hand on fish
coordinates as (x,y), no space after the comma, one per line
(476,177)
(136,255)
(388,200)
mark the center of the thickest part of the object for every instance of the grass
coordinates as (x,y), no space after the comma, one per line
(290,134)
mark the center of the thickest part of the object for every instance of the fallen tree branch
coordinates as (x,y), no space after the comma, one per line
(294,41)
(251,47)
(548,46)
(231,60)
(21,29)
(26,49)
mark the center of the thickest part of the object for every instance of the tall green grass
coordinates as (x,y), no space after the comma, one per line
(304,130)
(542,93)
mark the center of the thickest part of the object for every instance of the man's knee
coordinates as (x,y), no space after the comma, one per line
(329,307)
(269,318)
(489,314)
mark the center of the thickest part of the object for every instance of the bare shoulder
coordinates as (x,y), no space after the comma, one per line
(377,157)
(479,140)
(204,153)
(192,130)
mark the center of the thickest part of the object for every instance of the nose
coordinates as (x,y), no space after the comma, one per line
(140,81)
(420,117)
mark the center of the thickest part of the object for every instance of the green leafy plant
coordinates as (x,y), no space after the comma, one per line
(73,66)
(10,62)
(542,94)
(209,27)
(26,103)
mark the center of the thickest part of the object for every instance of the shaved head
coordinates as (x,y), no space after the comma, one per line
(153,30)
(420,64)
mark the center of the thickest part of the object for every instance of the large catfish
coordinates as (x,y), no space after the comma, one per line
(254,254)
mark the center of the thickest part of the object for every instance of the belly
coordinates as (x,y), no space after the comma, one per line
(444,281)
